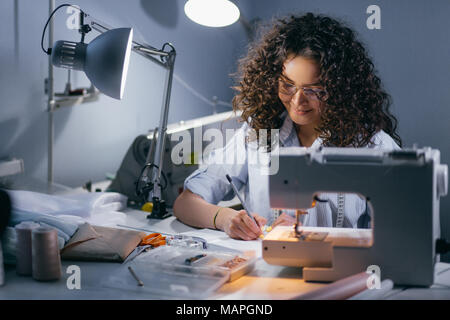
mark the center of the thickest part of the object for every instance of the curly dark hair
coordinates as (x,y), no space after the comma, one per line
(356,106)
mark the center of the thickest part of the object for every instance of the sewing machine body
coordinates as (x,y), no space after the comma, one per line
(404,188)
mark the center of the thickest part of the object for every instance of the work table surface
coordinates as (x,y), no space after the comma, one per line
(264,281)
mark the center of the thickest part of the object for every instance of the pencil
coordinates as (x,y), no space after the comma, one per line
(240,199)
(140,283)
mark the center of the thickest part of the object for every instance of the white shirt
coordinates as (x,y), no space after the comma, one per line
(209,181)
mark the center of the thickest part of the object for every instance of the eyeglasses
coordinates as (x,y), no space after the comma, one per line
(289,89)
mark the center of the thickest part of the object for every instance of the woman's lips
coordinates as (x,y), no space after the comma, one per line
(302,112)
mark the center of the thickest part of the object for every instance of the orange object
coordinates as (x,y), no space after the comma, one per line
(153,239)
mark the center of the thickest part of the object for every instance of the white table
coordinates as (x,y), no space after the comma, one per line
(263,282)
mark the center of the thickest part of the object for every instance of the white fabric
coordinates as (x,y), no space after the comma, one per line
(82,205)
(97,208)
(66,213)
(63,213)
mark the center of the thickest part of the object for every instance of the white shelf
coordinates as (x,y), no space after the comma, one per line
(10,167)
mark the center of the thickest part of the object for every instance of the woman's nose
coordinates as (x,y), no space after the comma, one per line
(299,97)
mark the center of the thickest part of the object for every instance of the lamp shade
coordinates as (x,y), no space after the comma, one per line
(212,13)
(104,60)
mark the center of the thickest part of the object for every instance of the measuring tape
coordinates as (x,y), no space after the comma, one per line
(341,210)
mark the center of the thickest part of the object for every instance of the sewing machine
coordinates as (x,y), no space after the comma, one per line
(403,188)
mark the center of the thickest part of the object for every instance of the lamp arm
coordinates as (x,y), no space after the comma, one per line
(166,60)
(159,152)
(159,208)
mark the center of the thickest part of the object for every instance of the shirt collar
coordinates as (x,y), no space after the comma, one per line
(288,134)
(286,128)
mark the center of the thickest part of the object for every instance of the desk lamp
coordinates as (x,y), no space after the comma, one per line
(105,62)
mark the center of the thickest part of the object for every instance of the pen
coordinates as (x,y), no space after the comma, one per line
(240,199)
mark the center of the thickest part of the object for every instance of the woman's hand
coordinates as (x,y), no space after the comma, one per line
(239,225)
(284,220)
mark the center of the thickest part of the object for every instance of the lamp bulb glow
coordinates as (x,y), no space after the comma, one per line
(212,13)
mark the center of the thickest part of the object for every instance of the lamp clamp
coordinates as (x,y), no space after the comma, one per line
(85,28)
(159,210)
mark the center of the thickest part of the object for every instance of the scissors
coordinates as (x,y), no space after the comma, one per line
(153,239)
(150,241)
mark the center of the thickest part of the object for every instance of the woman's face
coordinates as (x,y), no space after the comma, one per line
(298,90)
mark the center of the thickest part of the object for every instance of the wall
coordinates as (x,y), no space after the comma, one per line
(91,139)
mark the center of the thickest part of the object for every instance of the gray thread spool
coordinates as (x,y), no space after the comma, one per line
(45,254)
(23,248)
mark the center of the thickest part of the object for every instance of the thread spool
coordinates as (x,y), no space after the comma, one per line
(23,248)
(46,260)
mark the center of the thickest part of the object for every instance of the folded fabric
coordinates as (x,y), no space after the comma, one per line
(64,213)
(45,203)
(103,219)
(65,228)
(94,243)
(82,205)
(96,202)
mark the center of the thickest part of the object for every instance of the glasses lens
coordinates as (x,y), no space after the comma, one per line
(316,94)
(290,89)
(287,88)
(310,93)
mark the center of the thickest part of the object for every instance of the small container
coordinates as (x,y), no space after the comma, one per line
(235,264)
(186,241)
(165,281)
(171,272)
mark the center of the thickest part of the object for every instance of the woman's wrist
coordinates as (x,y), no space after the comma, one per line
(215,217)
(223,216)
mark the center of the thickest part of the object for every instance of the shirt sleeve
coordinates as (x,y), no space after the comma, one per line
(381,140)
(210,182)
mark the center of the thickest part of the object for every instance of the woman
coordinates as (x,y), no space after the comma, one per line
(311,79)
